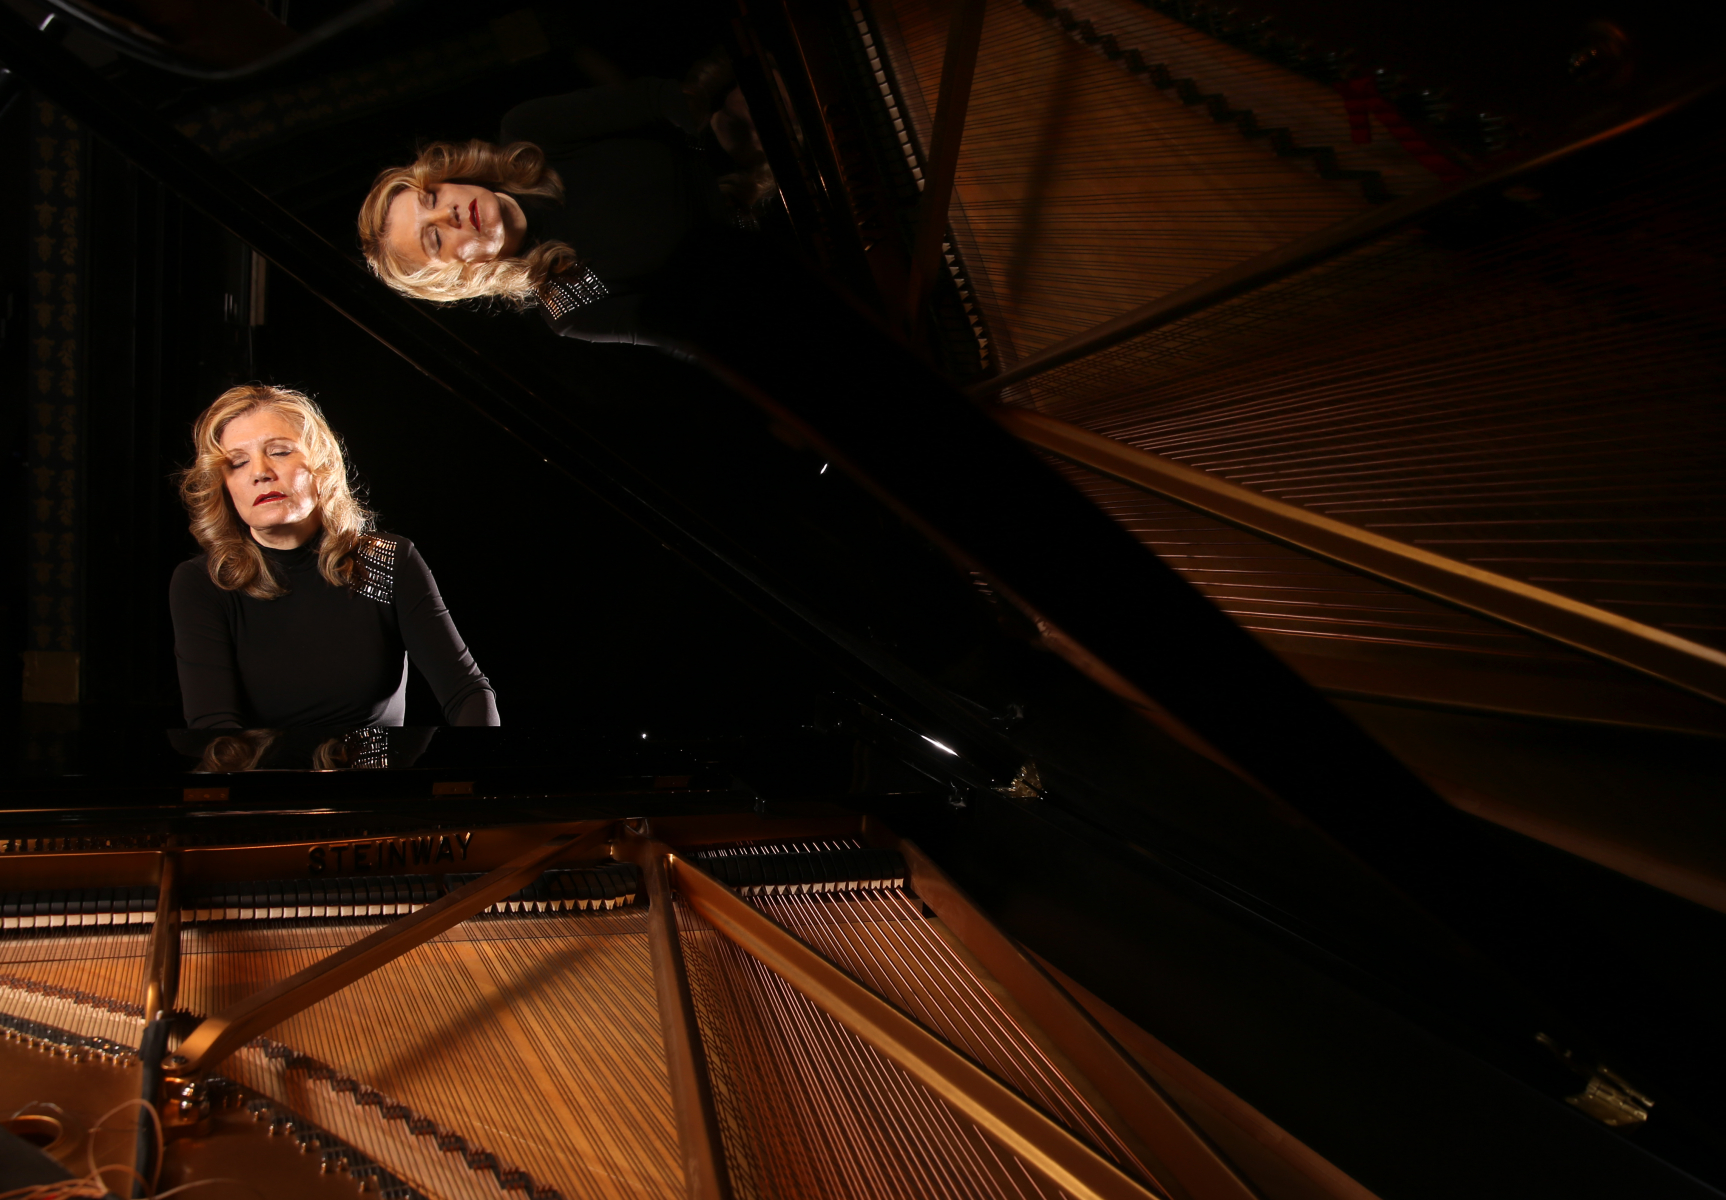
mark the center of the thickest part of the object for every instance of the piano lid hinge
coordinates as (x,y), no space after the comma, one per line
(1026,785)
(1606,1096)
(1611,1101)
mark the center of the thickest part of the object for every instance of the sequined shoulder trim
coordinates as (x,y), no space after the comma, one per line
(358,749)
(375,569)
(570,291)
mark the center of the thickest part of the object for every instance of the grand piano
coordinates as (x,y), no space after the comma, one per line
(1231,528)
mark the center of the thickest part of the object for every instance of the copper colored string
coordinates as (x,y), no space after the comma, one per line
(800,1081)
(883,939)
(1019,1055)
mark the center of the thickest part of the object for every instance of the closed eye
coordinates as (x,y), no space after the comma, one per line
(434,243)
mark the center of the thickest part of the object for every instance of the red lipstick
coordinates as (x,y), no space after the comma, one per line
(473,214)
(268,496)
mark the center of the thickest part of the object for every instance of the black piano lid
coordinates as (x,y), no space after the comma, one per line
(1297,825)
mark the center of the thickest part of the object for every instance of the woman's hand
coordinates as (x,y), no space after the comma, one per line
(736,132)
(706,85)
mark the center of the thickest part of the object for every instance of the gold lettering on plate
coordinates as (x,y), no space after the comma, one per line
(387,854)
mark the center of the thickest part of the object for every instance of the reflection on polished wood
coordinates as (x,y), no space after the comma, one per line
(1083,191)
(1586,627)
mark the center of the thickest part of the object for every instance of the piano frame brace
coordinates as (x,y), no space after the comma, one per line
(698,1135)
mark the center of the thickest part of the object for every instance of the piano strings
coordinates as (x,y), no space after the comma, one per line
(809,1110)
(88,982)
(521,1051)
(883,938)
(535,1039)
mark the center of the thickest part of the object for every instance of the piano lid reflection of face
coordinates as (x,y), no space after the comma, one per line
(454,222)
(269,480)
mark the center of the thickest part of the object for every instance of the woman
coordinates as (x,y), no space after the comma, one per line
(583,210)
(297,612)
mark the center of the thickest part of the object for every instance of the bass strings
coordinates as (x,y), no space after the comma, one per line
(823,1114)
(88,981)
(883,939)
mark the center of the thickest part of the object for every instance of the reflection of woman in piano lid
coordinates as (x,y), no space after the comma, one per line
(298,612)
(582,211)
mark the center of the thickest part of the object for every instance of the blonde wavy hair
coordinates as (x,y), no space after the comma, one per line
(236,562)
(519,168)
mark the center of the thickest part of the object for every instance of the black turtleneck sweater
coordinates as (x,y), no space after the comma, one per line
(321,655)
(635,190)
